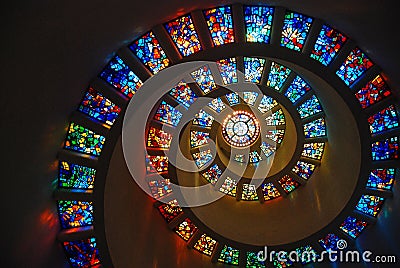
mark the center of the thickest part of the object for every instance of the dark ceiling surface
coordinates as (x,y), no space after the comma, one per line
(50,52)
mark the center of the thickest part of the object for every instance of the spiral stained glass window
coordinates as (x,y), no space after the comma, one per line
(168,114)
(220,23)
(370,204)
(170,210)
(269,191)
(184,35)
(276,119)
(352,226)
(329,242)
(276,135)
(186,229)
(205,244)
(258,21)
(227,69)
(217,105)
(82,253)
(356,64)
(75,213)
(277,76)
(203,119)
(253,69)
(374,91)
(295,30)
(250,97)
(309,107)
(229,187)
(303,169)
(266,104)
(73,176)
(158,138)
(121,77)
(201,158)
(288,183)
(83,140)
(204,79)
(381,178)
(267,149)
(328,44)
(254,157)
(160,187)
(156,164)
(150,53)
(313,150)
(98,107)
(252,260)
(229,255)
(232,98)
(383,120)
(183,94)
(249,192)
(212,174)
(387,149)
(316,128)
(198,138)
(297,89)
(240,129)
(306,254)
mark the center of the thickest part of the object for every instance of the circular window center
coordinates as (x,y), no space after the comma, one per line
(240,129)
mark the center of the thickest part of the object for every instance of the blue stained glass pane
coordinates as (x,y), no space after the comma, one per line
(381,178)
(252,261)
(183,94)
(313,150)
(387,149)
(217,105)
(303,169)
(370,204)
(277,76)
(316,128)
(227,69)
(168,114)
(212,174)
(118,74)
(232,98)
(258,20)
(82,253)
(250,97)
(329,242)
(253,69)
(295,30)
(383,120)
(75,213)
(329,42)
(266,104)
(297,89)
(75,176)
(306,254)
(204,79)
(150,53)
(276,119)
(203,119)
(201,158)
(220,24)
(267,149)
(352,226)
(309,107)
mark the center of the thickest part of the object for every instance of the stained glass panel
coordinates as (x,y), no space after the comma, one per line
(370,204)
(118,74)
(374,91)
(252,260)
(75,176)
(276,119)
(217,105)
(266,104)
(306,254)
(198,138)
(276,135)
(329,242)
(168,114)
(184,35)
(277,76)
(387,149)
(352,226)
(267,149)
(288,184)
(229,187)
(250,97)
(253,69)
(170,210)
(239,158)
(204,79)
(75,213)
(203,119)
(205,244)
(316,128)
(295,30)
(156,164)
(186,229)
(309,107)
(202,158)
(183,94)
(212,174)
(258,21)
(160,187)
(82,253)
(220,24)
(303,169)
(254,157)
(281,260)
(158,138)
(232,98)
(381,178)
(383,120)
(328,44)
(229,255)
(270,191)
(356,64)
(150,53)
(227,69)
(249,192)
(297,89)
(98,107)
(83,140)
(313,150)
